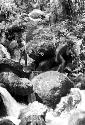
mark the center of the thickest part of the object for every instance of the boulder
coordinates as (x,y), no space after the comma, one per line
(50,86)
(15,84)
(11,65)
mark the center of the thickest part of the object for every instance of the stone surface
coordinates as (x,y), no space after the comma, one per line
(15,84)
(51,86)
(11,65)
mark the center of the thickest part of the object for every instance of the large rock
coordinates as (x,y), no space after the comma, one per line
(51,86)
(33,114)
(11,65)
(15,84)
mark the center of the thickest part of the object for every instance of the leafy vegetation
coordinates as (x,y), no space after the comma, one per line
(54,24)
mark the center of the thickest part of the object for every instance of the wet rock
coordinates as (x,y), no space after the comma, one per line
(10,65)
(15,84)
(4,53)
(50,86)
(33,114)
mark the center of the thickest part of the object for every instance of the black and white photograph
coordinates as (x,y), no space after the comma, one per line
(42,62)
